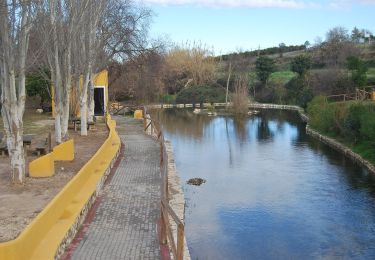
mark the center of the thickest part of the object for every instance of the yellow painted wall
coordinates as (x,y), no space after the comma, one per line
(42,167)
(42,237)
(64,151)
(138,114)
(100,80)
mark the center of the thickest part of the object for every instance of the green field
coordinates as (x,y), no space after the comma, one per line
(281,77)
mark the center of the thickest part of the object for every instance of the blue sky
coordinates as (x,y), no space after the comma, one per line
(234,25)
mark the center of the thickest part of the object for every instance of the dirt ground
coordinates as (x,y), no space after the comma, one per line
(19,204)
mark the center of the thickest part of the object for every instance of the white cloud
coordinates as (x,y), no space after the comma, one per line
(290,4)
(347,4)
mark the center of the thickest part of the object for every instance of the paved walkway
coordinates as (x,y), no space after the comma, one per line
(125,222)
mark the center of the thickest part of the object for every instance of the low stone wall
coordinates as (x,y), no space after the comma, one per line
(300,110)
(176,197)
(251,105)
(176,194)
(341,148)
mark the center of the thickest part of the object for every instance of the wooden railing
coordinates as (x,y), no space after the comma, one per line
(175,241)
(358,95)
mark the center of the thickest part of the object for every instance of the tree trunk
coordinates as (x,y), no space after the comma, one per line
(65,117)
(13,51)
(91,105)
(83,105)
(67,93)
(17,157)
(58,115)
(228,80)
(13,127)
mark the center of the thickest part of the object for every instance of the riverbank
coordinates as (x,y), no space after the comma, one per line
(341,148)
(332,142)
(246,199)
(174,193)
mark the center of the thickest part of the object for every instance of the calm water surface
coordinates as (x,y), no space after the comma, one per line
(272,192)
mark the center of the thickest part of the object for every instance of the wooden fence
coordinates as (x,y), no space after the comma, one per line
(167,213)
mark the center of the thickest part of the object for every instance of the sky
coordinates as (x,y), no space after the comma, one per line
(239,25)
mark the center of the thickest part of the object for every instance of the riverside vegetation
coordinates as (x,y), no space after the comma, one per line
(352,123)
(341,62)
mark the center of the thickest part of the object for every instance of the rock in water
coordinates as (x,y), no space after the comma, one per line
(196,181)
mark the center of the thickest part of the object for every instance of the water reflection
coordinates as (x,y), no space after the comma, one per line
(183,122)
(272,192)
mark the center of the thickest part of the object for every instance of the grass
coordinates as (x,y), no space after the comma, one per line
(364,149)
(282,77)
(371,74)
(30,125)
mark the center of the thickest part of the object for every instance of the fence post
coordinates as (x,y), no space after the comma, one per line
(144,119)
(180,242)
(163,230)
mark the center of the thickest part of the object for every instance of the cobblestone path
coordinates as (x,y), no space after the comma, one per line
(125,222)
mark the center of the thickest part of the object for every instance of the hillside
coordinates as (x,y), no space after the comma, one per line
(323,77)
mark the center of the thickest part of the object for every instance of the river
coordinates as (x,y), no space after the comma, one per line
(272,192)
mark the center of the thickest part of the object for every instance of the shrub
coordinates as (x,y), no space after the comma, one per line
(240,96)
(167,98)
(298,92)
(367,130)
(353,122)
(325,116)
(321,115)
(301,64)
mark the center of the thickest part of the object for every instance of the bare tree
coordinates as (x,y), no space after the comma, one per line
(240,95)
(194,62)
(228,81)
(337,47)
(90,43)
(15,24)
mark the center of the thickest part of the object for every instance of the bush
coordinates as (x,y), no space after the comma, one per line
(370,63)
(320,114)
(368,125)
(201,94)
(169,99)
(298,92)
(305,97)
(360,122)
(353,122)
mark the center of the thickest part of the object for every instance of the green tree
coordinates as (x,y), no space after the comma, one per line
(37,85)
(301,64)
(358,70)
(307,44)
(356,35)
(282,48)
(264,67)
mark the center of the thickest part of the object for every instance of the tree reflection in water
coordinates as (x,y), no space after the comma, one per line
(271,191)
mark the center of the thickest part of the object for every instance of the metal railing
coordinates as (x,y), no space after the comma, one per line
(166,233)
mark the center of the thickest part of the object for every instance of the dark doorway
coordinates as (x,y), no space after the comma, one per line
(99,101)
